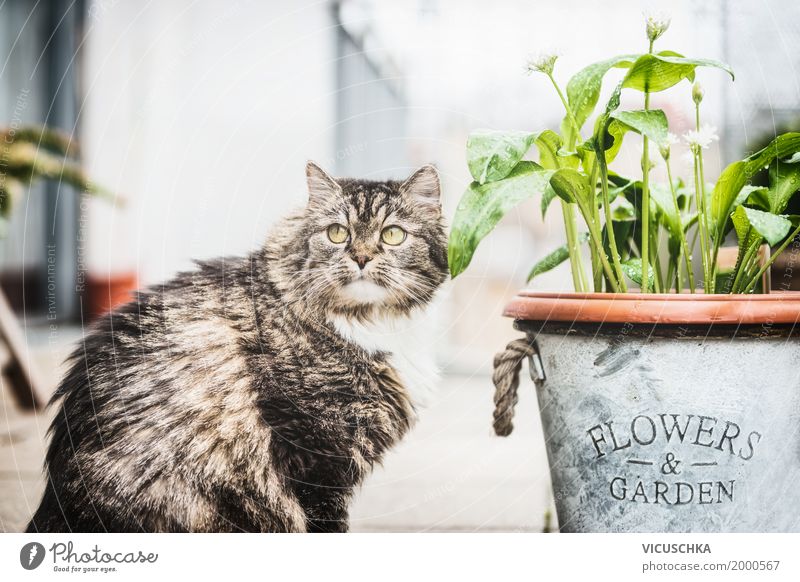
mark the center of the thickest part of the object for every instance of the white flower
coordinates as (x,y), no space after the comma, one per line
(672,139)
(701,138)
(541,63)
(657,24)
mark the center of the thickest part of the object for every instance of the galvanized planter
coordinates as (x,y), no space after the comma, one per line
(669,414)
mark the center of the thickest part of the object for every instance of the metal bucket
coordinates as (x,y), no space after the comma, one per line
(653,425)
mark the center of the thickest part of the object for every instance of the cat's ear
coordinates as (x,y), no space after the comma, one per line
(423,186)
(321,187)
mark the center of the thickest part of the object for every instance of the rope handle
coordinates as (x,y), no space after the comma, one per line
(507,365)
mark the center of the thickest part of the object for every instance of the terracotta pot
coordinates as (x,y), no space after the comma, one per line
(656,308)
(107,292)
(673,413)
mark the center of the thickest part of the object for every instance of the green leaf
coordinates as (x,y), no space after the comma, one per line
(740,222)
(547,197)
(548,143)
(757,198)
(612,141)
(622,234)
(623,211)
(784,181)
(772,227)
(657,72)
(652,123)
(690,221)
(734,177)
(555,258)
(633,270)
(482,207)
(747,235)
(583,89)
(491,155)
(661,195)
(572,186)
(756,195)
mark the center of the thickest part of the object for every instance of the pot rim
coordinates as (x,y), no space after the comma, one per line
(781,307)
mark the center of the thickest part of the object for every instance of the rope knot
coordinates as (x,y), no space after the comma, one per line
(507,365)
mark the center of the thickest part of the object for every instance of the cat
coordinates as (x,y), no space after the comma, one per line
(256,393)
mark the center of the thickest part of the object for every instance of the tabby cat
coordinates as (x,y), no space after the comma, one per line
(255,393)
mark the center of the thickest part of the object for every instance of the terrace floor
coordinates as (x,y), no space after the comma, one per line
(450,474)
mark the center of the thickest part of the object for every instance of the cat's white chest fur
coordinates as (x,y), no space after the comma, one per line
(409,343)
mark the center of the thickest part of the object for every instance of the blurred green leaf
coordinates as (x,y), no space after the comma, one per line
(547,197)
(661,195)
(633,271)
(482,207)
(491,155)
(623,211)
(555,258)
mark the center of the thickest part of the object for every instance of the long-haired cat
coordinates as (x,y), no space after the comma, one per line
(255,394)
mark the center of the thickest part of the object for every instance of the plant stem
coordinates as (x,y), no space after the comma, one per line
(572,246)
(744,267)
(645,207)
(646,196)
(701,221)
(712,267)
(570,114)
(658,282)
(598,242)
(687,255)
(671,273)
(612,239)
(576,262)
(768,264)
(597,272)
(739,261)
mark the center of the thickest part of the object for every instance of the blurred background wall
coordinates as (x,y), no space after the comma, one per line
(202,114)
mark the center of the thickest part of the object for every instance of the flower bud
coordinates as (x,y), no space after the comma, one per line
(697,93)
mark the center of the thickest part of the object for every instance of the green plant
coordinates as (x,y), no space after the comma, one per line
(30,153)
(626,218)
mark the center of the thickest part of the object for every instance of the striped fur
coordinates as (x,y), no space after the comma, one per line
(228,399)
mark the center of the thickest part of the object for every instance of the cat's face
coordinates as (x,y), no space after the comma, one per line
(374,244)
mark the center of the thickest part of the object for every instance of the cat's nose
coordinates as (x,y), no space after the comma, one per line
(362,260)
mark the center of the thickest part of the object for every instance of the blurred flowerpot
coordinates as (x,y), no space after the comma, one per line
(107,292)
(668,413)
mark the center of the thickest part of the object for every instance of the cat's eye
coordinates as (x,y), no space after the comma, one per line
(393,235)
(337,233)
